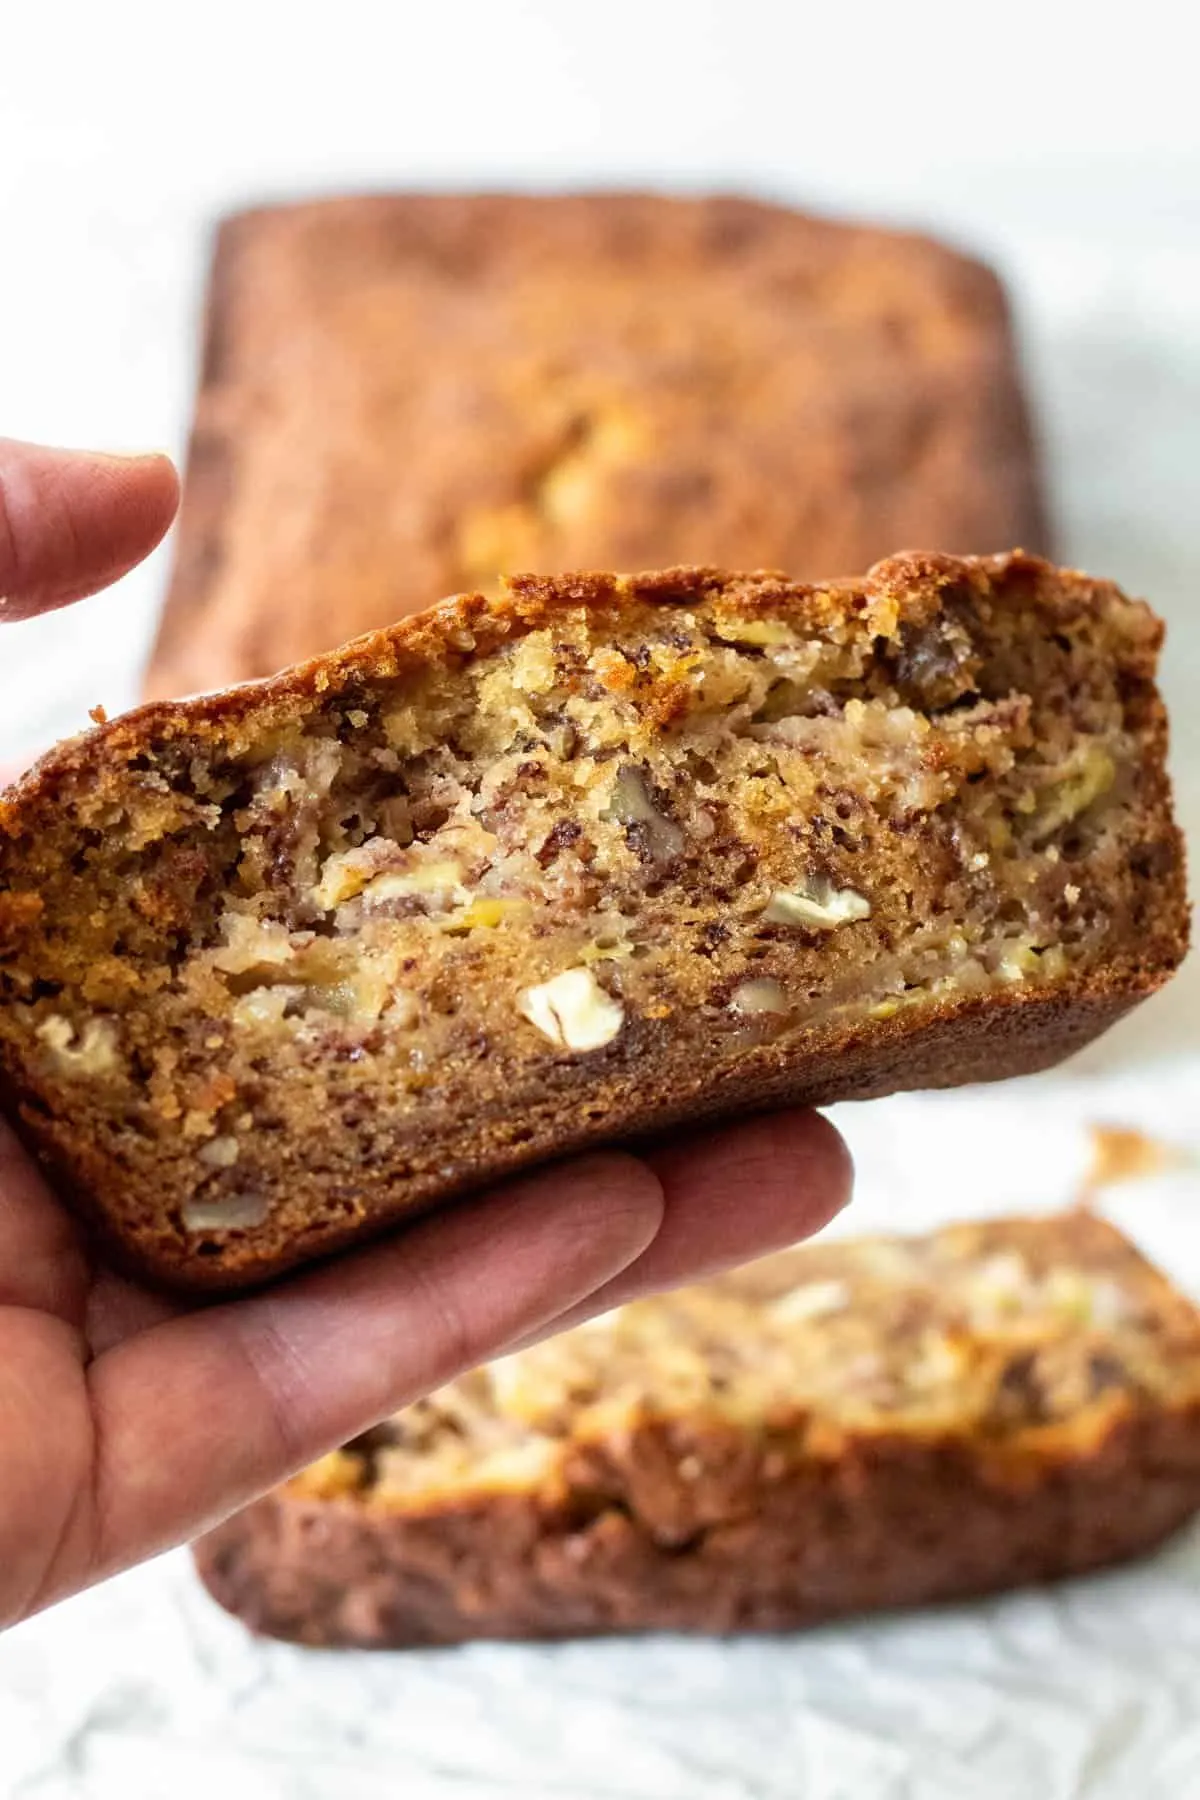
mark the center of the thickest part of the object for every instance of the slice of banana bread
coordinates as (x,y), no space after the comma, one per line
(404,394)
(610,853)
(871,1424)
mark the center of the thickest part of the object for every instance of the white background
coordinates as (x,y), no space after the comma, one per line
(1062,140)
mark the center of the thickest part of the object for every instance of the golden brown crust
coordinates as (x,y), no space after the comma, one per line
(651,1079)
(684,1520)
(466,626)
(811,395)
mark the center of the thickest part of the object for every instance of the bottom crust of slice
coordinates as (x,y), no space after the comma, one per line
(949,1044)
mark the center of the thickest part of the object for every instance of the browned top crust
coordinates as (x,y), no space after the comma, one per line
(911,585)
(404,395)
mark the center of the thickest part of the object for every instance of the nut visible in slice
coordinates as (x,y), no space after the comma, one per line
(1088,779)
(232,1212)
(573,1011)
(92,1051)
(811,1300)
(757,632)
(631,805)
(816,904)
(439,883)
(762,995)
(219,1152)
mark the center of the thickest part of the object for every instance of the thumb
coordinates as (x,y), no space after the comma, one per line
(72,521)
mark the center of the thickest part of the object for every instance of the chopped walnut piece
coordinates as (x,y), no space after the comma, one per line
(810,1300)
(92,1051)
(816,905)
(228,1212)
(632,806)
(762,995)
(573,1011)
(758,632)
(219,1152)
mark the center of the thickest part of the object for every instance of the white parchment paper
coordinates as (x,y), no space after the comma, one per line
(143,1689)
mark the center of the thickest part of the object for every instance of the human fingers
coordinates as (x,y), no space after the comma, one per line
(730,1195)
(73,521)
(255,1388)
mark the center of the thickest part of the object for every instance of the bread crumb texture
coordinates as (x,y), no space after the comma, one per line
(607,852)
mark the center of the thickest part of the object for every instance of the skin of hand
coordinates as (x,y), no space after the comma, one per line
(131,1422)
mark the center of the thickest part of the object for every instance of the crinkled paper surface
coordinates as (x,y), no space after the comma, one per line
(1091,1692)
(144,1689)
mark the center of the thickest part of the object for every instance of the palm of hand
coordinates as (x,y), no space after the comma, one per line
(130,1422)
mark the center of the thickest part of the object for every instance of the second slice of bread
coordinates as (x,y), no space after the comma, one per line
(874,1423)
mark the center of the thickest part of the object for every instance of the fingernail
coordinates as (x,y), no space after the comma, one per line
(131,456)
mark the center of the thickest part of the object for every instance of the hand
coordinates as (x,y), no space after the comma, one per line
(130,1422)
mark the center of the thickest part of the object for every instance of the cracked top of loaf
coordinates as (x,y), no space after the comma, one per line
(403,396)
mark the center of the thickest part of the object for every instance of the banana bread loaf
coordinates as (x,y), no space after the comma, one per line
(402,396)
(872,1424)
(578,864)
